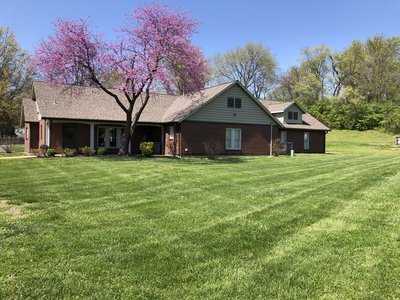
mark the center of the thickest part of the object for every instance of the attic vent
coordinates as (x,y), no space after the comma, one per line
(55,101)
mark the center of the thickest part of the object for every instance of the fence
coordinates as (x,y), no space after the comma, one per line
(11,140)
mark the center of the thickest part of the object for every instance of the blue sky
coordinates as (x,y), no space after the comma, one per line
(284,26)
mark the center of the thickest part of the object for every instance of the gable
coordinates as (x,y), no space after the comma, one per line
(293,108)
(217,110)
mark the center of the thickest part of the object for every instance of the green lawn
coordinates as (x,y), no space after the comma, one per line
(311,226)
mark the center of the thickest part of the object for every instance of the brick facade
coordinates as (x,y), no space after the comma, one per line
(31,136)
(189,137)
(255,138)
(56,136)
(317,141)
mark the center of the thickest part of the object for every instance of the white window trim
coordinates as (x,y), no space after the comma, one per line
(232,143)
(308,141)
(171,133)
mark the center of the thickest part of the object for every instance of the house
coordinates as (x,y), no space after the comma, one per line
(301,131)
(227,114)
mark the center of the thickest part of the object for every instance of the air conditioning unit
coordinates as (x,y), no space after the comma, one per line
(288,148)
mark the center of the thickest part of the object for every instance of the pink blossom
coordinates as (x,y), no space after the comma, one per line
(154,48)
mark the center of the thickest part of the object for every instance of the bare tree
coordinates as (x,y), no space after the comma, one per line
(252,65)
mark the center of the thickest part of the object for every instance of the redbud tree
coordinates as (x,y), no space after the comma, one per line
(153,48)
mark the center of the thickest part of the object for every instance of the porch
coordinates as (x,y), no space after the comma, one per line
(69,134)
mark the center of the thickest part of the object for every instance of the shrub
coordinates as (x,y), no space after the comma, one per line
(51,152)
(39,152)
(277,147)
(69,152)
(147,148)
(102,151)
(87,151)
(7,148)
(42,151)
(212,148)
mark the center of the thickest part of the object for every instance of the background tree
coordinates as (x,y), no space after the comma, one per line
(373,68)
(253,65)
(357,88)
(154,39)
(14,81)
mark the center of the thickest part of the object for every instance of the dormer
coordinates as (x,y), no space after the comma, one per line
(293,114)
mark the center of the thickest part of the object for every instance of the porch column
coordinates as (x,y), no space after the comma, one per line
(92,135)
(129,147)
(47,135)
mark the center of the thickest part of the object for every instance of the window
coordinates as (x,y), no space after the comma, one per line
(306,140)
(293,115)
(171,132)
(113,137)
(233,139)
(101,137)
(26,133)
(238,103)
(234,103)
(231,102)
(69,135)
(283,136)
(109,137)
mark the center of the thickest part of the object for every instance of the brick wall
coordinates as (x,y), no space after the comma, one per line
(31,136)
(255,138)
(56,136)
(317,141)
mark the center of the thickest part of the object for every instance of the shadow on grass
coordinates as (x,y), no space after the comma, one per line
(217,160)
(187,159)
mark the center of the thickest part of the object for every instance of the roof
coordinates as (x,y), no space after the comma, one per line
(309,122)
(30,112)
(279,106)
(276,106)
(57,101)
(90,103)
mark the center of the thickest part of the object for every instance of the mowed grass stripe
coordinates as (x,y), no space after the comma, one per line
(313,226)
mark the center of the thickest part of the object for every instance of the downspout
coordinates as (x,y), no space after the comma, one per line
(270,142)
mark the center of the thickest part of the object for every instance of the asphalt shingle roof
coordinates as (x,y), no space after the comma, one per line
(30,112)
(309,122)
(90,103)
(276,106)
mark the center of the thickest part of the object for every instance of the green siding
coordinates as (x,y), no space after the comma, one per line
(218,111)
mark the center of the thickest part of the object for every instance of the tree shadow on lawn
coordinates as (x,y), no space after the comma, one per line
(217,160)
(188,159)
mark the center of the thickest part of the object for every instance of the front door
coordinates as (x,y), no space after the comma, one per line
(69,136)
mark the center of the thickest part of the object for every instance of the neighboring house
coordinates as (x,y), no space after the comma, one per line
(178,125)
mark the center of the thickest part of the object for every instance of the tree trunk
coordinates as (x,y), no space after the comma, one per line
(126,137)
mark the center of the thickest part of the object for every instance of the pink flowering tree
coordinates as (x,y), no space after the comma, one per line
(153,49)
